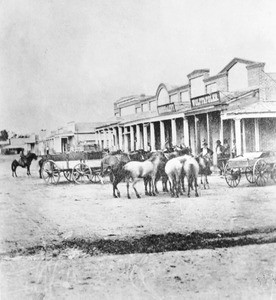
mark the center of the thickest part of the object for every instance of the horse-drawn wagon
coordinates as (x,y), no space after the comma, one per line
(76,167)
(257,167)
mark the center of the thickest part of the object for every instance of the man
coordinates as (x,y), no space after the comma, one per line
(220,158)
(226,149)
(22,160)
(206,153)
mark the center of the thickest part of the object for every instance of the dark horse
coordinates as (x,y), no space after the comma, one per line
(113,164)
(24,164)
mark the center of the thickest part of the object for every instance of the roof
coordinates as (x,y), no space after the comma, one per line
(14,147)
(257,107)
(87,126)
(234,61)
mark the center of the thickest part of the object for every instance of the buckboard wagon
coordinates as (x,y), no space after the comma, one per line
(257,167)
(76,167)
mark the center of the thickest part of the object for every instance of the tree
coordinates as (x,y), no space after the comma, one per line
(4,135)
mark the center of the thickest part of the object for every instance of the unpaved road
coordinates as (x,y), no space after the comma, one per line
(77,242)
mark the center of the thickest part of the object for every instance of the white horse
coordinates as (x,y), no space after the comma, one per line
(135,170)
(191,170)
(174,171)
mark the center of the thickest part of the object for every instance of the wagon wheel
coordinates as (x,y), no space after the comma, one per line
(249,174)
(50,172)
(260,172)
(81,173)
(232,176)
(95,177)
(68,175)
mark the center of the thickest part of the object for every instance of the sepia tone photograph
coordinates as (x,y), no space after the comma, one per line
(137,149)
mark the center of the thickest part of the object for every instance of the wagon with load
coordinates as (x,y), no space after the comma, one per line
(258,168)
(78,167)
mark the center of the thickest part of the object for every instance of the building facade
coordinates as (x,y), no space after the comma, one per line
(237,104)
(71,137)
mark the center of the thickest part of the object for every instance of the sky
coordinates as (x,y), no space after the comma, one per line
(69,60)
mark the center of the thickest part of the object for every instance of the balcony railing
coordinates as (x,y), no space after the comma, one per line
(205,99)
(166,108)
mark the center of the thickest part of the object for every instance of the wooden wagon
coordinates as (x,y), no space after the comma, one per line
(78,167)
(257,167)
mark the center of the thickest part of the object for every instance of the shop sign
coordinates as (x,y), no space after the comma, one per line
(205,99)
(166,108)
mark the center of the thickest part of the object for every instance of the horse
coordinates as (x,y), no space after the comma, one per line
(159,174)
(177,152)
(134,170)
(113,165)
(191,170)
(204,169)
(24,164)
(175,172)
(110,162)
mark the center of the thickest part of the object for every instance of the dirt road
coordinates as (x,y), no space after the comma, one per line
(77,242)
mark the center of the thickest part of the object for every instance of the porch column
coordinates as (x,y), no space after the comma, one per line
(138,137)
(105,139)
(145,136)
(221,130)
(162,135)
(186,132)
(243,136)
(131,138)
(110,136)
(125,140)
(174,140)
(232,134)
(120,129)
(196,135)
(115,138)
(152,136)
(238,135)
(208,129)
(257,134)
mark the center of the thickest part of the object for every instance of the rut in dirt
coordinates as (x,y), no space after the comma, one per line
(157,243)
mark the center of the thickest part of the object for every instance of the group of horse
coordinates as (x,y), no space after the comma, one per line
(170,167)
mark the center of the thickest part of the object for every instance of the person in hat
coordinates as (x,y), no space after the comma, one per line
(226,149)
(219,152)
(234,149)
(206,153)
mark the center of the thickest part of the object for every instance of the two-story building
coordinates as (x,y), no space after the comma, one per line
(238,103)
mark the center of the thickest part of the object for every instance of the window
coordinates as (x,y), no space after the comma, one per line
(184,96)
(153,106)
(163,97)
(138,110)
(173,98)
(145,107)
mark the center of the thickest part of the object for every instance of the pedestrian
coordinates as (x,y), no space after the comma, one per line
(226,149)
(219,152)
(149,147)
(234,149)
(206,153)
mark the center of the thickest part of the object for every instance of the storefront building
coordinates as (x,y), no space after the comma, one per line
(238,103)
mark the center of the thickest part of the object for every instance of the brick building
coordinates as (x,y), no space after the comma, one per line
(238,103)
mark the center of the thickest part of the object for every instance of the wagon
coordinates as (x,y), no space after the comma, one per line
(78,167)
(257,167)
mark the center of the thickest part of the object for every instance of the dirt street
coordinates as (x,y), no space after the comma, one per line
(71,241)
